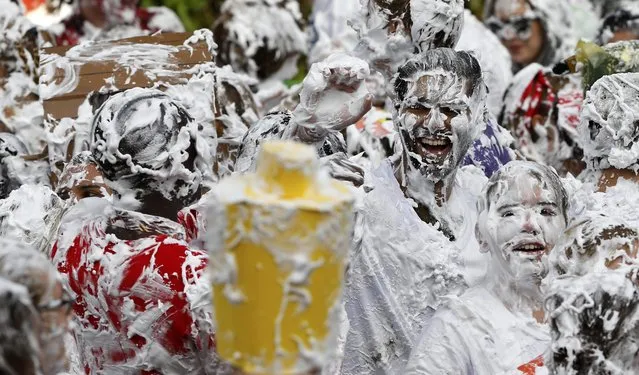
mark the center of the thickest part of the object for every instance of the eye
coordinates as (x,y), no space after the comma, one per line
(548,212)
(507,214)
(418,110)
(449,112)
(494,25)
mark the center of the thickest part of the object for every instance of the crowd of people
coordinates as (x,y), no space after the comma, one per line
(495,159)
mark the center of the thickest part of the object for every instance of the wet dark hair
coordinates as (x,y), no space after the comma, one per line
(594,338)
(461,63)
(268,60)
(10,146)
(540,172)
(618,20)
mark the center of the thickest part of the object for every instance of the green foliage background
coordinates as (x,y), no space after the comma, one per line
(195,14)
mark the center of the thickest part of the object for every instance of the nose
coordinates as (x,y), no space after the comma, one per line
(435,120)
(530,225)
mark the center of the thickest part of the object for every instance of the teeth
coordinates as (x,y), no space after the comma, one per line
(435,142)
(531,247)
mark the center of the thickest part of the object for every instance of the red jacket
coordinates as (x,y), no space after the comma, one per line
(142,305)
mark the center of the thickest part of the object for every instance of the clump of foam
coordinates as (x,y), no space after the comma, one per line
(608,131)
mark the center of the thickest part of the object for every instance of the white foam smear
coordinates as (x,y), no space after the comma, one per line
(490,328)
(492,56)
(608,130)
(436,23)
(594,320)
(20,110)
(329,29)
(171,331)
(23,264)
(31,214)
(270,24)
(400,267)
(416,24)
(18,322)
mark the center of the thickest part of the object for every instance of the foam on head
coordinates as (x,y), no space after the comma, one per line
(144,139)
(609,127)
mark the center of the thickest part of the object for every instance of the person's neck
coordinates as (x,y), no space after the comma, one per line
(527,301)
(610,176)
(421,188)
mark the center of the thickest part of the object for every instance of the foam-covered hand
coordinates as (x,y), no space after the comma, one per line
(333,96)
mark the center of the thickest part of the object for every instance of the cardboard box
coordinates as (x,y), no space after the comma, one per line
(69,74)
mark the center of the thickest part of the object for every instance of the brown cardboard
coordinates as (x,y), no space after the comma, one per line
(93,72)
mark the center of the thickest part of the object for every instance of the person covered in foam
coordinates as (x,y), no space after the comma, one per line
(593,300)
(498,327)
(263,39)
(21,113)
(415,238)
(16,169)
(113,19)
(142,299)
(47,309)
(534,31)
(621,23)
(595,324)
(432,24)
(608,134)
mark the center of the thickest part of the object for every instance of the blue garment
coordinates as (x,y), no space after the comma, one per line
(491,150)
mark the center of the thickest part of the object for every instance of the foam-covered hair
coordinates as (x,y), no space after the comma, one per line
(461,63)
(593,321)
(609,126)
(498,183)
(589,242)
(144,137)
(625,16)
(257,36)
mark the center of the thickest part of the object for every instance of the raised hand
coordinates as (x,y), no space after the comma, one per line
(333,96)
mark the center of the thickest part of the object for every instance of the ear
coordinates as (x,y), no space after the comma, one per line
(483,245)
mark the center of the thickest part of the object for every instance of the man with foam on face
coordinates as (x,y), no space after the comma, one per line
(414,239)
(498,327)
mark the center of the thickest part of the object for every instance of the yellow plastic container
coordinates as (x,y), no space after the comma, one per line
(280,238)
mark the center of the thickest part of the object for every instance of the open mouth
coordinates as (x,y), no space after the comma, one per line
(434,146)
(534,248)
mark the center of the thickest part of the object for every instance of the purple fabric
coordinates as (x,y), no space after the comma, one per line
(489,158)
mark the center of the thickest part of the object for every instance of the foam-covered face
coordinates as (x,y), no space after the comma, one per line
(522,224)
(435,124)
(519,29)
(82,181)
(609,127)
